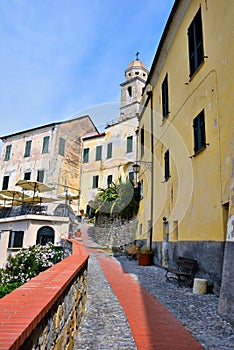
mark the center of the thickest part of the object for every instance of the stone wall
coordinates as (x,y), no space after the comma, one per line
(59,326)
(114,233)
(48,308)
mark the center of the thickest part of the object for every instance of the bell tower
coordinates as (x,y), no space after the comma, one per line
(131,90)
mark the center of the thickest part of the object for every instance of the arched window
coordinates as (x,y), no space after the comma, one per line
(45,235)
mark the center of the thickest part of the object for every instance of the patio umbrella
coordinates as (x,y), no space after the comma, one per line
(69,195)
(12,195)
(39,199)
(34,186)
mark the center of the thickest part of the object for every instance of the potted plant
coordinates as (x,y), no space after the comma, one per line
(145,256)
(132,252)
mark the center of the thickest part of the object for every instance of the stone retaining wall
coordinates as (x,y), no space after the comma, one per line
(45,312)
(114,232)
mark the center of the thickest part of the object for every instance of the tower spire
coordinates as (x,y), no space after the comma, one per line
(137,54)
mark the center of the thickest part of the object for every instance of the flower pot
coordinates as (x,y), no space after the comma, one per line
(145,259)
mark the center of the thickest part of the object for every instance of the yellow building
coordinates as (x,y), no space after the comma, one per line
(109,155)
(186,140)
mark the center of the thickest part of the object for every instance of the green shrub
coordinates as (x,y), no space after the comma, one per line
(26,264)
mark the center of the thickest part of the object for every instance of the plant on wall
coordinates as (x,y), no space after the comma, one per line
(119,199)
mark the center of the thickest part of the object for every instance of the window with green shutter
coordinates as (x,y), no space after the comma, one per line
(8,152)
(61,146)
(199,132)
(27,151)
(109,150)
(86,155)
(99,153)
(40,175)
(95,181)
(195,43)
(165,101)
(129,144)
(45,147)
(166,165)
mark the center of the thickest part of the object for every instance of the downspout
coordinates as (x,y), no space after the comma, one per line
(150,94)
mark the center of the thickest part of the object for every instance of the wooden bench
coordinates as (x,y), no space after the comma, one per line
(185,271)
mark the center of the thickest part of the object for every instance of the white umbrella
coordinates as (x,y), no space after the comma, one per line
(69,195)
(34,186)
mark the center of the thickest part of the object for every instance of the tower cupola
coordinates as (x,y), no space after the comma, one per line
(136,75)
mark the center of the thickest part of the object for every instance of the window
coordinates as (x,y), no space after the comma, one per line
(27,175)
(109,180)
(61,146)
(86,155)
(142,141)
(195,43)
(165,102)
(8,152)
(99,153)
(5,182)
(27,148)
(40,175)
(199,132)
(16,239)
(45,147)
(140,189)
(109,150)
(131,175)
(140,229)
(45,235)
(129,144)
(166,166)
(129,91)
(95,181)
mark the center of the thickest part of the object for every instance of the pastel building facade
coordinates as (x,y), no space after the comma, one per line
(186,136)
(109,155)
(50,154)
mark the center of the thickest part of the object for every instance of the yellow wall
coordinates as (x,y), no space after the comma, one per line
(200,184)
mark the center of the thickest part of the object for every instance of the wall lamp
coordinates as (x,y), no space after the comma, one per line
(136,166)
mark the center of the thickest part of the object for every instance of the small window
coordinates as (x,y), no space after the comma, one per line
(136,73)
(166,166)
(140,230)
(61,146)
(140,189)
(131,175)
(27,175)
(16,239)
(109,151)
(86,155)
(109,180)
(95,181)
(27,151)
(129,91)
(8,152)
(199,132)
(5,182)
(40,175)
(99,153)
(45,147)
(129,144)
(165,102)
(195,43)
(142,140)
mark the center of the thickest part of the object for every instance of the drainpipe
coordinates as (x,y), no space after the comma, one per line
(150,94)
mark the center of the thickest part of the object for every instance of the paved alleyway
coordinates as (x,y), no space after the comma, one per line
(122,314)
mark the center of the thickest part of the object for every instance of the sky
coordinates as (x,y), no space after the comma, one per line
(63,58)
